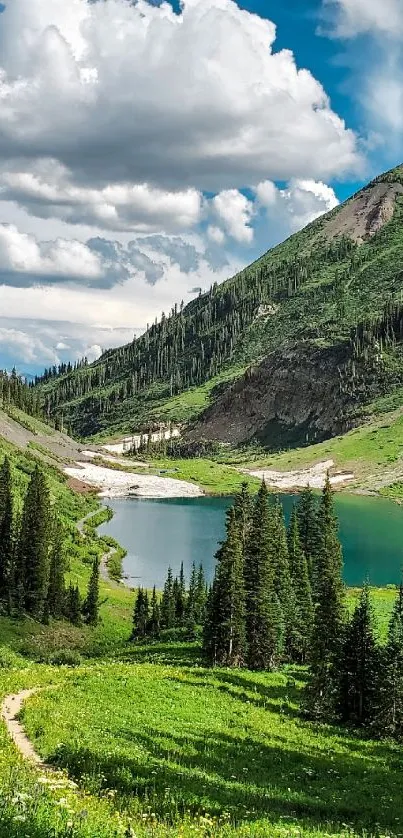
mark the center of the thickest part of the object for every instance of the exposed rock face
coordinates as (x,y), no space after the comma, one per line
(293,396)
(366,213)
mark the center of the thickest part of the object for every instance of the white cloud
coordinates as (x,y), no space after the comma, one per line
(26,348)
(216,234)
(92,353)
(21,253)
(377,67)
(235,212)
(356,17)
(47,190)
(62,346)
(94,86)
(298,204)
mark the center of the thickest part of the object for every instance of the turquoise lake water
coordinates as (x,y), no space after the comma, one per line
(159,533)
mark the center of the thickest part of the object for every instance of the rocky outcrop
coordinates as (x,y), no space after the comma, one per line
(294,396)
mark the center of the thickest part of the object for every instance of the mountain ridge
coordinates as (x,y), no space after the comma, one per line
(331,278)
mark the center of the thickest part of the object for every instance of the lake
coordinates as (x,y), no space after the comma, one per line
(159,533)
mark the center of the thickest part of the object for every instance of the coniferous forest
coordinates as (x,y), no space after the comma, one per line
(278,598)
(33,561)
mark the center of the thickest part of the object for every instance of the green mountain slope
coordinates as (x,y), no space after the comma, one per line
(323,308)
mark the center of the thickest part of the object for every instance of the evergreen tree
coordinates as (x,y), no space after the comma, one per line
(308,528)
(141,615)
(191,605)
(282,579)
(264,619)
(56,590)
(243,512)
(91,604)
(224,639)
(6,535)
(168,603)
(358,665)
(154,623)
(329,613)
(33,556)
(389,704)
(200,597)
(302,625)
(73,605)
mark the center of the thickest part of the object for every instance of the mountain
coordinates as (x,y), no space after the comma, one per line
(299,346)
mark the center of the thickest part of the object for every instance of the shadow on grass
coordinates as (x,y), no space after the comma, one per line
(246,777)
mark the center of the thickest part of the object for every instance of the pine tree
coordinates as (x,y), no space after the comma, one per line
(308,528)
(168,603)
(191,606)
(224,640)
(329,613)
(141,615)
(200,597)
(154,623)
(6,535)
(91,604)
(264,619)
(389,703)
(56,590)
(302,626)
(358,666)
(282,579)
(73,605)
(243,507)
(33,557)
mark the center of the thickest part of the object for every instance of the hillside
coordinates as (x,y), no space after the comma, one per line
(325,304)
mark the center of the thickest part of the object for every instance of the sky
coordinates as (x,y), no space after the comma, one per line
(149,149)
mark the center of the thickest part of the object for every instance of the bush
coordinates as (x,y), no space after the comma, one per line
(10,659)
(66,657)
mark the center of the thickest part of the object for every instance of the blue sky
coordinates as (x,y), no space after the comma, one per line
(148,150)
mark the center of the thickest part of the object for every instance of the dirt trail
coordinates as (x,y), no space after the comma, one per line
(103,565)
(10,709)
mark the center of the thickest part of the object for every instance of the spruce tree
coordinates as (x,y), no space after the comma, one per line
(154,623)
(73,605)
(302,625)
(33,556)
(141,615)
(243,507)
(56,589)
(191,605)
(168,603)
(308,528)
(389,704)
(329,612)
(6,536)
(264,618)
(200,597)
(282,579)
(91,604)
(358,666)
(224,640)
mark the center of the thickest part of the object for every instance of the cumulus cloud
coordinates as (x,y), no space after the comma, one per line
(46,189)
(298,204)
(92,122)
(22,254)
(356,17)
(25,347)
(378,66)
(235,213)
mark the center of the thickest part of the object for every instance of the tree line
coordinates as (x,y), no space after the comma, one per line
(33,557)
(181,606)
(278,597)
(15,392)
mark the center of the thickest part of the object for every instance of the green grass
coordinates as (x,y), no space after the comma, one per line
(186,751)
(370,452)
